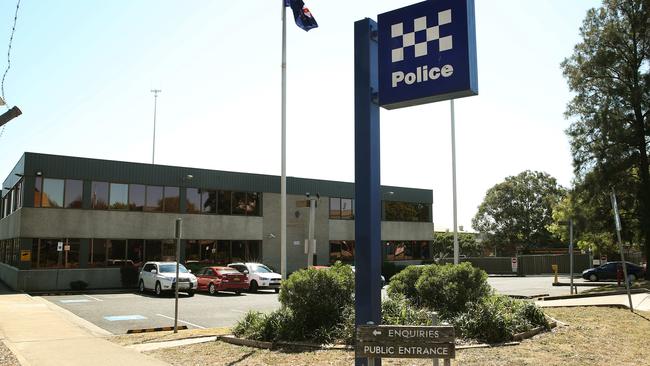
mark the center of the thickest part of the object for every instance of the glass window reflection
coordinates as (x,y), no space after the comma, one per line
(193,198)
(52,192)
(172,199)
(154,199)
(119,196)
(99,195)
(136,197)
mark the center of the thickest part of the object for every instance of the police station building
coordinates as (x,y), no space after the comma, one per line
(64,219)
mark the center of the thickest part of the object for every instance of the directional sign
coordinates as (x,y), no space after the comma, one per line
(427,53)
(405,341)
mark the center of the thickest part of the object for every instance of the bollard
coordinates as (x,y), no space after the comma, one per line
(555,267)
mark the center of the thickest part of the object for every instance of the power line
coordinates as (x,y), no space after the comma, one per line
(4,76)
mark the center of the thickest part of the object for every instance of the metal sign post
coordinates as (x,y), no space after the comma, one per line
(617,222)
(178,234)
(389,341)
(367,223)
(571,256)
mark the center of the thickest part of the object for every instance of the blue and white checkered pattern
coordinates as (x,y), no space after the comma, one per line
(421,36)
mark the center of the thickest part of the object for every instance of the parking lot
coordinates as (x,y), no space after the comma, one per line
(120,312)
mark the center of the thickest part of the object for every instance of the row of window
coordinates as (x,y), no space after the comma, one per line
(12,201)
(10,252)
(343,250)
(110,253)
(68,193)
(344,209)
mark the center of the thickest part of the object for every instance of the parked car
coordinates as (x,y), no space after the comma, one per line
(609,270)
(259,276)
(161,277)
(215,279)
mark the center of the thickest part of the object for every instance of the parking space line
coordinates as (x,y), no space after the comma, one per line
(116,318)
(73,301)
(182,321)
(94,298)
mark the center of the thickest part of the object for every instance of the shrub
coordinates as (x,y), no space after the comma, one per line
(403,283)
(397,310)
(497,318)
(251,326)
(447,288)
(317,298)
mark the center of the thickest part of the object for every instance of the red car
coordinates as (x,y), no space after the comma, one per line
(215,279)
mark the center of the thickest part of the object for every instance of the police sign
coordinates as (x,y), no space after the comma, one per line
(427,53)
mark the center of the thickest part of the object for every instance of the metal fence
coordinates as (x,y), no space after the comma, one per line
(528,264)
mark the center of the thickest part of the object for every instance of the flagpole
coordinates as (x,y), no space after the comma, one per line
(283,179)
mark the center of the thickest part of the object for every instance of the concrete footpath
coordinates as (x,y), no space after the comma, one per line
(40,333)
(640,302)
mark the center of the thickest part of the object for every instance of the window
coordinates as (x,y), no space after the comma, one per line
(172,199)
(342,250)
(119,196)
(406,211)
(209,201)
(335,208)
(223,252)
(224,203)
(73,193)
(116,250)
(99,196)
(153,250)
(406,250)
(346,209)
(238,203)
(38,188)
(154,199)
(136,197)
(135,251)
(193,198)
(253,204)
(238,251)
(199,250)
(98,253)
(52,192)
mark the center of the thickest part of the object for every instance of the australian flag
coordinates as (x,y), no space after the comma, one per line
(301,14)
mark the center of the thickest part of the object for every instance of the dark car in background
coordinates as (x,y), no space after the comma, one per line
(609,270)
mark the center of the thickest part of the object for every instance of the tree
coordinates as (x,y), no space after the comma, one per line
(443,244)
(609,72)
(516,212)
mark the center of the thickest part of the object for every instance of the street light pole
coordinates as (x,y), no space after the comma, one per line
(155,107)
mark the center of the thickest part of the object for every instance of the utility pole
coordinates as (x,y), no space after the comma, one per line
(155,106)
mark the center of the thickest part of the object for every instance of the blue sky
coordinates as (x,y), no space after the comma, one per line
(82,72)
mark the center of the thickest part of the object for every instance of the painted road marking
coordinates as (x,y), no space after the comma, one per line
(182,321)
(94,298)
(74,301)
(116,318)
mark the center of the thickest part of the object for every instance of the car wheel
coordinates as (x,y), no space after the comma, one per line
(158,289)
(631,277)
(190,293)
(141,286)
(253,287)
(212,289)
(593,277)
(277,290)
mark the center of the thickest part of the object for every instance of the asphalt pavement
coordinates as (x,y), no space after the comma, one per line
(120,312)
(533,285)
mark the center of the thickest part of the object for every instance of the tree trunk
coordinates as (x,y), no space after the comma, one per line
(644,189)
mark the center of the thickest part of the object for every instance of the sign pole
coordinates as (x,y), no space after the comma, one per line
(179,223)
(571,255)
(283,178)
(367,223)
(617,222)
(453,174)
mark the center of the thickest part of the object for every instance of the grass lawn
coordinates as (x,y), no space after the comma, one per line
(593,336)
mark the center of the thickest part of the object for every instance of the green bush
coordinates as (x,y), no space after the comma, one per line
(397,310)
(497,318)
(251,326)
(317,297)
(448,288)
(403,283)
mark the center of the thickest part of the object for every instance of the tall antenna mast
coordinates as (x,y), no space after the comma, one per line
(155,105)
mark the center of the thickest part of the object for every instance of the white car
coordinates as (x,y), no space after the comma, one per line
(259,276)
(161,277)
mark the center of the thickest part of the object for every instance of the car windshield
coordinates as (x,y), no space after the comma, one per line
(171,268)
(260,268)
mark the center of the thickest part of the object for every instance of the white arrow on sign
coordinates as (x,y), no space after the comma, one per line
(376,332)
